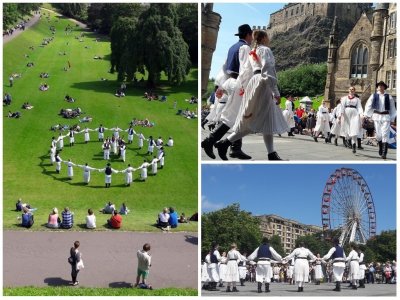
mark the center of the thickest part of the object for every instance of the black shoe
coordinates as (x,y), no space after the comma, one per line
(359,144)
(221,284)
(384,150)
(380,144)
(239,154)
(336,142)
(290,134)
(207,145)
(326,140)
(337,288)
(228,289)
(267,288)
(315,139)
(354,148)
(204,122)
(235,289)
(222,147)
(259,285)
(274,156)
(349,144)
(299,289)
(211,127)
(354,287)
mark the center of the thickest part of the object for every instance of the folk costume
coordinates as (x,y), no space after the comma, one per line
(212,260)
(301,269)
(338,257)
(351,113)
(322,123)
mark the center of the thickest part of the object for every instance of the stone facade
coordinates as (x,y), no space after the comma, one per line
(210,22)
(365,57)
(288,230)
(295,13)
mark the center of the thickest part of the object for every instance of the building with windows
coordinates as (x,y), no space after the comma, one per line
(366,56)
(288,230)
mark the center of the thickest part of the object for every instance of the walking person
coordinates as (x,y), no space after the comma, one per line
(335,129)
(58,162)
(144,264)
(232,270)
(11,80)
(233,80)
(87,136)
(301,269)
(322,123)
(75,260)
(351,115)
(141,138)
(259,111)
(264,254)
(288,114)
(381,108)
(143,170)
(338,257)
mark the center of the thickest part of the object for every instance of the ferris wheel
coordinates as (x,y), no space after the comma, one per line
(347,206)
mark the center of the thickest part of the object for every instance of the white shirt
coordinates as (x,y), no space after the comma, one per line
(91,221)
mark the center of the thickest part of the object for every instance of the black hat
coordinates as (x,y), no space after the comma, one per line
(382,83)
(244,29)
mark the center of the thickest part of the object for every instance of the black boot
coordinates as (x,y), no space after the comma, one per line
(259,285)
(214,286)
(337,288)
(384,150)
(354,148)
(274,156)
(228,289)
(349,144)
(267,287)
(299,289)
(204,122)
(362,285)
(236,150)
(354,287)
(336,142)
(211,127)
(242,282)
(344,142)
(235,289)
(221,284)
(315,139)
(380,144)
(214,137)
(330,138)
(359,144)
(222,147)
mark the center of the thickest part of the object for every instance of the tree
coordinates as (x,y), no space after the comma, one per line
(187,23)
(162,47)
(12,12)
(230,225)
(315,243)
(74,10)
(382,247)
(275,242)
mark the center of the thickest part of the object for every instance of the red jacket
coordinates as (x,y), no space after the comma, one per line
(116,221)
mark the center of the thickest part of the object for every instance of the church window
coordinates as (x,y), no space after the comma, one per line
(394,80)
(392,20)
(302,8)
(392,48)
(297,10)
(359,62)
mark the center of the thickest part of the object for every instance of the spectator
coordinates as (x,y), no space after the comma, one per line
(371,274)
(182,218)
(115,221)
(108,209)
(144,264)
(163,218)
(67,219)
(124,209)
(90,219)
(173,218)
(54,220)
(27,218)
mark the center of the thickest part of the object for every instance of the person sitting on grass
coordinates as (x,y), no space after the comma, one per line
(173,218)
(7,99)
(44,87)
(26,105)
(115,221)
(163,218)
(182,218)
(44,75)
(124,209)
(109,208)
(90,219)
(67,219)
(119,93)
(15,115)
(69,99)
(144,264)
(27,218)
(53,220)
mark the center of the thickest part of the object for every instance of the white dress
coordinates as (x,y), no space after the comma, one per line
(222,268)
(128,174)
(232,270)
(143,170)
(70,166)
(350,116)
(86,172)
(354,268)
(322,120)
(301,268)
(335,120)
(259,111)
(318,270)
(288,114)
(87,137)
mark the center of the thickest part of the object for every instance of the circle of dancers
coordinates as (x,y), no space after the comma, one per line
(230,268)
(114,145)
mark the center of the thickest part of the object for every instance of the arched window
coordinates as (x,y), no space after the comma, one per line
(359,62)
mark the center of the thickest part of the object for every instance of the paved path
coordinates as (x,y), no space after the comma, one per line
(40,258)
(301,147)
(325,289)
(32,21)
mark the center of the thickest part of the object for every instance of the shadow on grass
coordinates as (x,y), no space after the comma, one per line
(120,284)
(192,239)
(56,281)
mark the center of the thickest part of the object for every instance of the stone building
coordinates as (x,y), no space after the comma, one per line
(293,14)
(366,56)
(210,22)
(288,230)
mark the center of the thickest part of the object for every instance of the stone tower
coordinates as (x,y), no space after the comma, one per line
(332,54)
(209,33)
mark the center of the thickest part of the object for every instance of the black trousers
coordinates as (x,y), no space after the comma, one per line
(74,272)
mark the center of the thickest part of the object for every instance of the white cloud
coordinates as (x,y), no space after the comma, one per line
(230,167)
(207,205)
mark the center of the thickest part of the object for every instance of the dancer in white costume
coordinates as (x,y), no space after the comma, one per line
(338,257)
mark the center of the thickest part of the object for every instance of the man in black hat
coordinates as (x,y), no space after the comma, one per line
(229,114)
(380,106)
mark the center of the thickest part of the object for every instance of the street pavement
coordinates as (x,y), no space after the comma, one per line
(40,258)
(301,147)
(325,289)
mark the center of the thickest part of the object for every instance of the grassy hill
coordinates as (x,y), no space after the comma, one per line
(27,172)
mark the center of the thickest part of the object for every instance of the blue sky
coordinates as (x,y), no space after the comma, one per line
(233,15)
(292,191)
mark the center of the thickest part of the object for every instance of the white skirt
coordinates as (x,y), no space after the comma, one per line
(232,271)
(322,124)
(87,137)
(263,273)
(258,111)
(336,128)
(318,272)
(301,270)
(128,178)
(222,272)
(351,122)
(212,271)
(86,176)
(338,269)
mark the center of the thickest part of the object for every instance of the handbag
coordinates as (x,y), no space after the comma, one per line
(70,260)
(80,265)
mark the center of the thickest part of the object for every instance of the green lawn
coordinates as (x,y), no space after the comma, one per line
(72,291)
(27,172)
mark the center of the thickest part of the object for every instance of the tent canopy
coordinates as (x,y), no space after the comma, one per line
(306,99)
